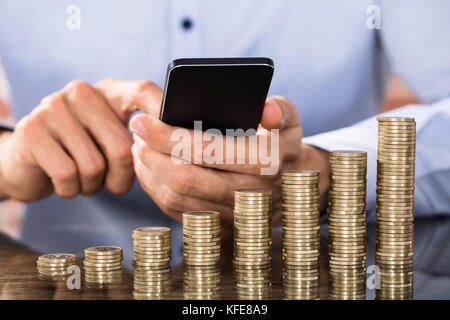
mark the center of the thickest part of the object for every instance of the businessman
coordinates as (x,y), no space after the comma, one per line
(73,140)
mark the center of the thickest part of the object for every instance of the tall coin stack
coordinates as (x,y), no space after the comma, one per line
(252,243)
(53,266)
(301,234)
(395,207)
(347,225)
(201,254)
(152,253)
(103,264)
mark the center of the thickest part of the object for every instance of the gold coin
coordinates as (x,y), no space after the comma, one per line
(385,119)
(57,258)
(347,153)
(44,264)
(300,200)
(253,193)
(387,169)
(152,230)
(397,150)
(311,181)
(359,161)
(386,134)
(153,242)
(103,250)
(301,173)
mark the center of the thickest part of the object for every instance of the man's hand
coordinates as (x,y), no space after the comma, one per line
(75,142)
(177,188)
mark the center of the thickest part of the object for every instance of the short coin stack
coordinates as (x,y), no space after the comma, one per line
(53,266)
(347,224)
(152,254)
(252,243)
(395,206)
(201,254)
(103,264)
(301,234)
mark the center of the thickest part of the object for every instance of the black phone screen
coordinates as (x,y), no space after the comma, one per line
(222,96)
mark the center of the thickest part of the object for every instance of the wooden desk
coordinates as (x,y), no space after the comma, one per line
(19,277)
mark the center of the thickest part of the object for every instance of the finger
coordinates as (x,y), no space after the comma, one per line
(57,164)
(109,133)
(236,154)
(65,127)
(186,178)
(279,113)
(126,97)
(170,201)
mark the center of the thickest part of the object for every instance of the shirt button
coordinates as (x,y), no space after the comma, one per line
(187,24)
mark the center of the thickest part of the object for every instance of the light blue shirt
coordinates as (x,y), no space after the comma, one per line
(327,61)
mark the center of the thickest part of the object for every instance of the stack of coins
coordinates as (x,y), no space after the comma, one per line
(301,234)
(152,254)
(395,207)
(347,225)
(103,264)
(201,254)
(151,284)
(252,243)
(53,266)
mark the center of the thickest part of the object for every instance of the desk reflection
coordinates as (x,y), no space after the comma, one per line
(19,277)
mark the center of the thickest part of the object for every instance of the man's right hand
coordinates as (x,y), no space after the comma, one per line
(75,142)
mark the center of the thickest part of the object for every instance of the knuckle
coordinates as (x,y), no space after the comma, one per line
(66,173)
(182,181)
(51,104)
(29,125)
(170,200)
(79,89)
(94,168)
(144,85)
(122,153)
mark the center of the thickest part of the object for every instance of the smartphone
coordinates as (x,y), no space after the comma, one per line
(222,93)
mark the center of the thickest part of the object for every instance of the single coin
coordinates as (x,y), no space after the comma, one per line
(103,250)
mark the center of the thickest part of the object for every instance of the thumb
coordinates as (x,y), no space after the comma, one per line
(279,113)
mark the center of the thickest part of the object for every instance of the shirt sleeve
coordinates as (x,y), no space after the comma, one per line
(432,183)
(415,39)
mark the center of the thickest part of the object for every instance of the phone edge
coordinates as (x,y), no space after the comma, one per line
(220,61)
(211,62)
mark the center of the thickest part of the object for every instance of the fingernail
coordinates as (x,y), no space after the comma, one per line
(137,126)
